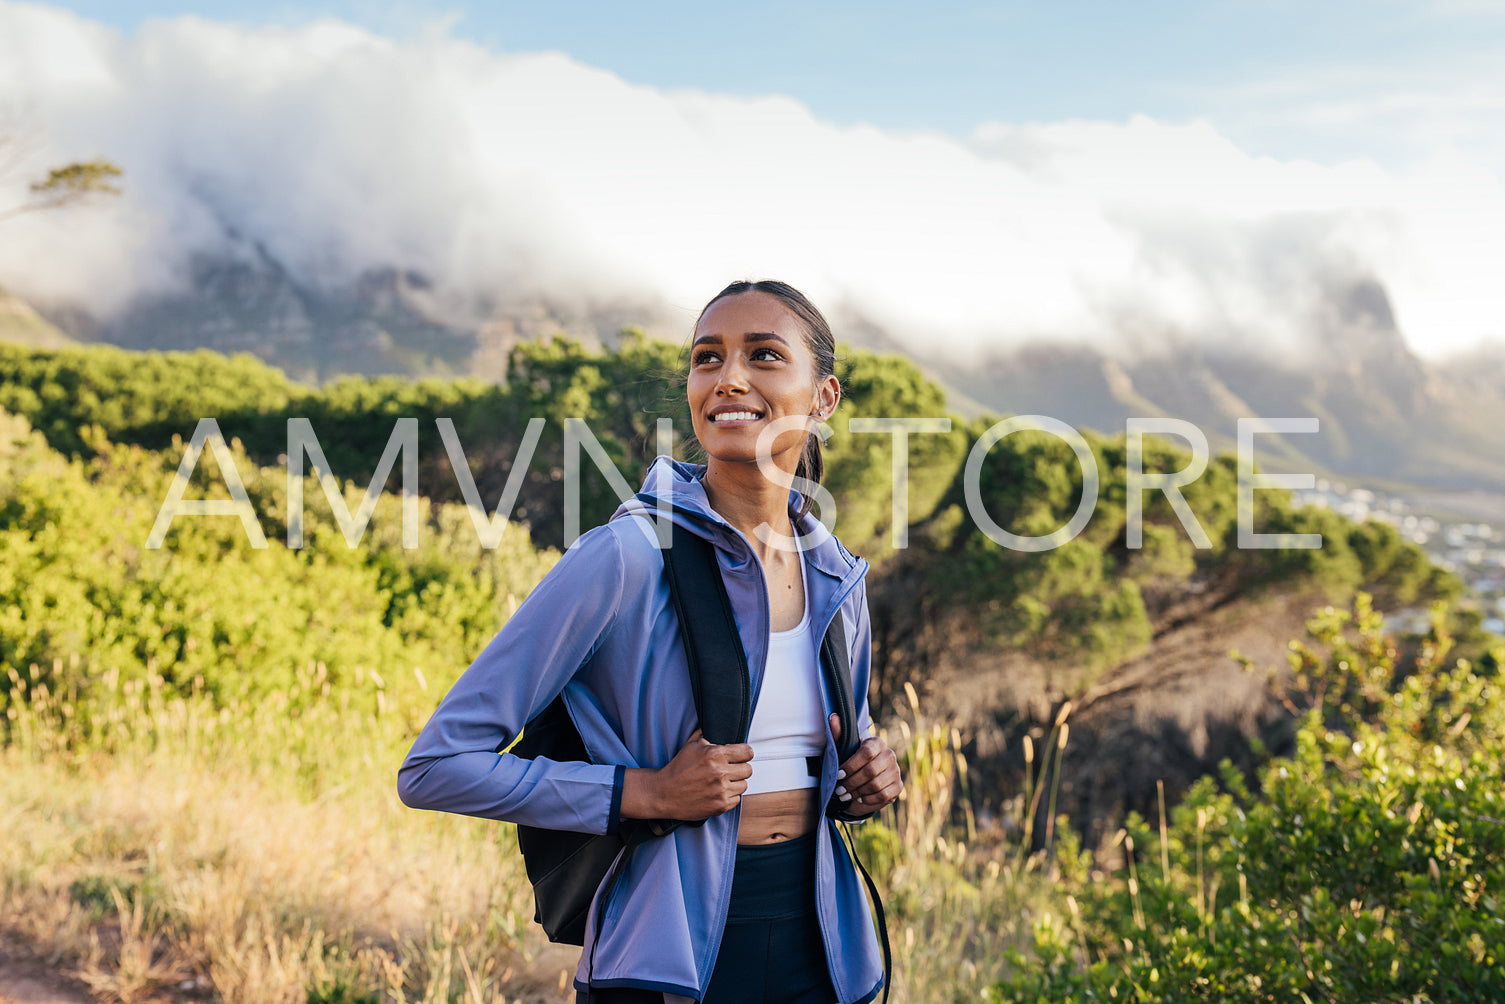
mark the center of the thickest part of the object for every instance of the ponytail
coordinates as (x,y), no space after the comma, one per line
(812,467)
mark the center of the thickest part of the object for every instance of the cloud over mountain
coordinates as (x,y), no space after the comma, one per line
(509,178)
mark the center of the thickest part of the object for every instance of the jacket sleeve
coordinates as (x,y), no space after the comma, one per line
(861,656)
(456,763)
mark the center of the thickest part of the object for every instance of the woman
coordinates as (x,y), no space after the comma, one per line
(761,902)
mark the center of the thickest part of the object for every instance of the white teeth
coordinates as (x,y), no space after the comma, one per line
(734,416)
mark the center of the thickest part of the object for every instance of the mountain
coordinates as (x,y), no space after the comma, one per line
(20,324)
(383,321)
(1387,416)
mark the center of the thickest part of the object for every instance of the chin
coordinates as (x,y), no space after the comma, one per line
(745,452)
(724,453)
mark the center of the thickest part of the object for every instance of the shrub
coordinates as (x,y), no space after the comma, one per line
(1369,866)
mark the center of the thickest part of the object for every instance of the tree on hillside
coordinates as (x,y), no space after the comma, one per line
(71,184)
(76,183)
(68,185)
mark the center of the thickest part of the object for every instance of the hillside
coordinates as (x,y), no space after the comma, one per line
(20,324)
(197,741)
(1143,633)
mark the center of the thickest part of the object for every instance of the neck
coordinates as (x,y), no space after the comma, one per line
(747,500)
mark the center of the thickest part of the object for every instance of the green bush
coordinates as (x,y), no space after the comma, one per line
(1083,607)
(1369,866)
(85,604)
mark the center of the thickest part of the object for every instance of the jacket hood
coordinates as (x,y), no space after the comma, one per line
(669,482)
(675,483)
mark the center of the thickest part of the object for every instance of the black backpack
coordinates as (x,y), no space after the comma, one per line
(566,867)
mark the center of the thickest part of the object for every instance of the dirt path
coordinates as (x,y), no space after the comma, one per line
(25,979)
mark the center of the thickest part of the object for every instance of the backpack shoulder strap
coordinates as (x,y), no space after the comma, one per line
(837,664)
(719,676)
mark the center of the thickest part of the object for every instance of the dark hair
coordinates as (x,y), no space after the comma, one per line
(822,343)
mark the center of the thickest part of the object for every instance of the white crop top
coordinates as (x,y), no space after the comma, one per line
(788,722)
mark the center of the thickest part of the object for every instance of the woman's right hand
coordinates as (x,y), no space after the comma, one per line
(702,780)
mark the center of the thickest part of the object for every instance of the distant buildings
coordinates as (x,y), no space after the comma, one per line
(1475,551)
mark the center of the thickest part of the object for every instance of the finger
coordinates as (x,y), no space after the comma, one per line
(850,783)
(858,760)
(835,723)
(869,803)
(882,769)
(880,782)
(738,752)
(883,788)
(694,736)
(888,794)
(846,788)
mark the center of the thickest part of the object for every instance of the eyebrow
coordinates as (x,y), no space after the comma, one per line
(751,336)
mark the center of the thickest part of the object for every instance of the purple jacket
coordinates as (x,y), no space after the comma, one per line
(601,629)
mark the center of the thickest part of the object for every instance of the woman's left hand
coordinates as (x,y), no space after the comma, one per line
(870,777)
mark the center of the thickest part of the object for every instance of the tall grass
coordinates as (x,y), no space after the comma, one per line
(258,853)
(957,895)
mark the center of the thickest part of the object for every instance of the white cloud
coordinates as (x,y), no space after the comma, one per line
(505,177)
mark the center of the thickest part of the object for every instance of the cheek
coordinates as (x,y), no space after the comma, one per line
(793,440)
(695,393)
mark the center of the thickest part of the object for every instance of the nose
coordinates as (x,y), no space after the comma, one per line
(731,378)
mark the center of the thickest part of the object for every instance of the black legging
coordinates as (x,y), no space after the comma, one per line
(771,952)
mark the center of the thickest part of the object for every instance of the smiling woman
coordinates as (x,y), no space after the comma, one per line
(760,899)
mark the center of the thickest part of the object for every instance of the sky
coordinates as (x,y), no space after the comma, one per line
(1088,171)
(1391,81)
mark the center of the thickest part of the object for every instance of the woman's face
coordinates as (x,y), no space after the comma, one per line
(750,366)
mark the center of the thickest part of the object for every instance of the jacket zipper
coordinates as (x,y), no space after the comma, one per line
(848,585)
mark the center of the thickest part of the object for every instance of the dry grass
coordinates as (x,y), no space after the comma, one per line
(957,896)
(160,849)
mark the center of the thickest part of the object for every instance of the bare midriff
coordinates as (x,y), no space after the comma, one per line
(770,817)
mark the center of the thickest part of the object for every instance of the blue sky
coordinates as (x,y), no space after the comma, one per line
(1380,79)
